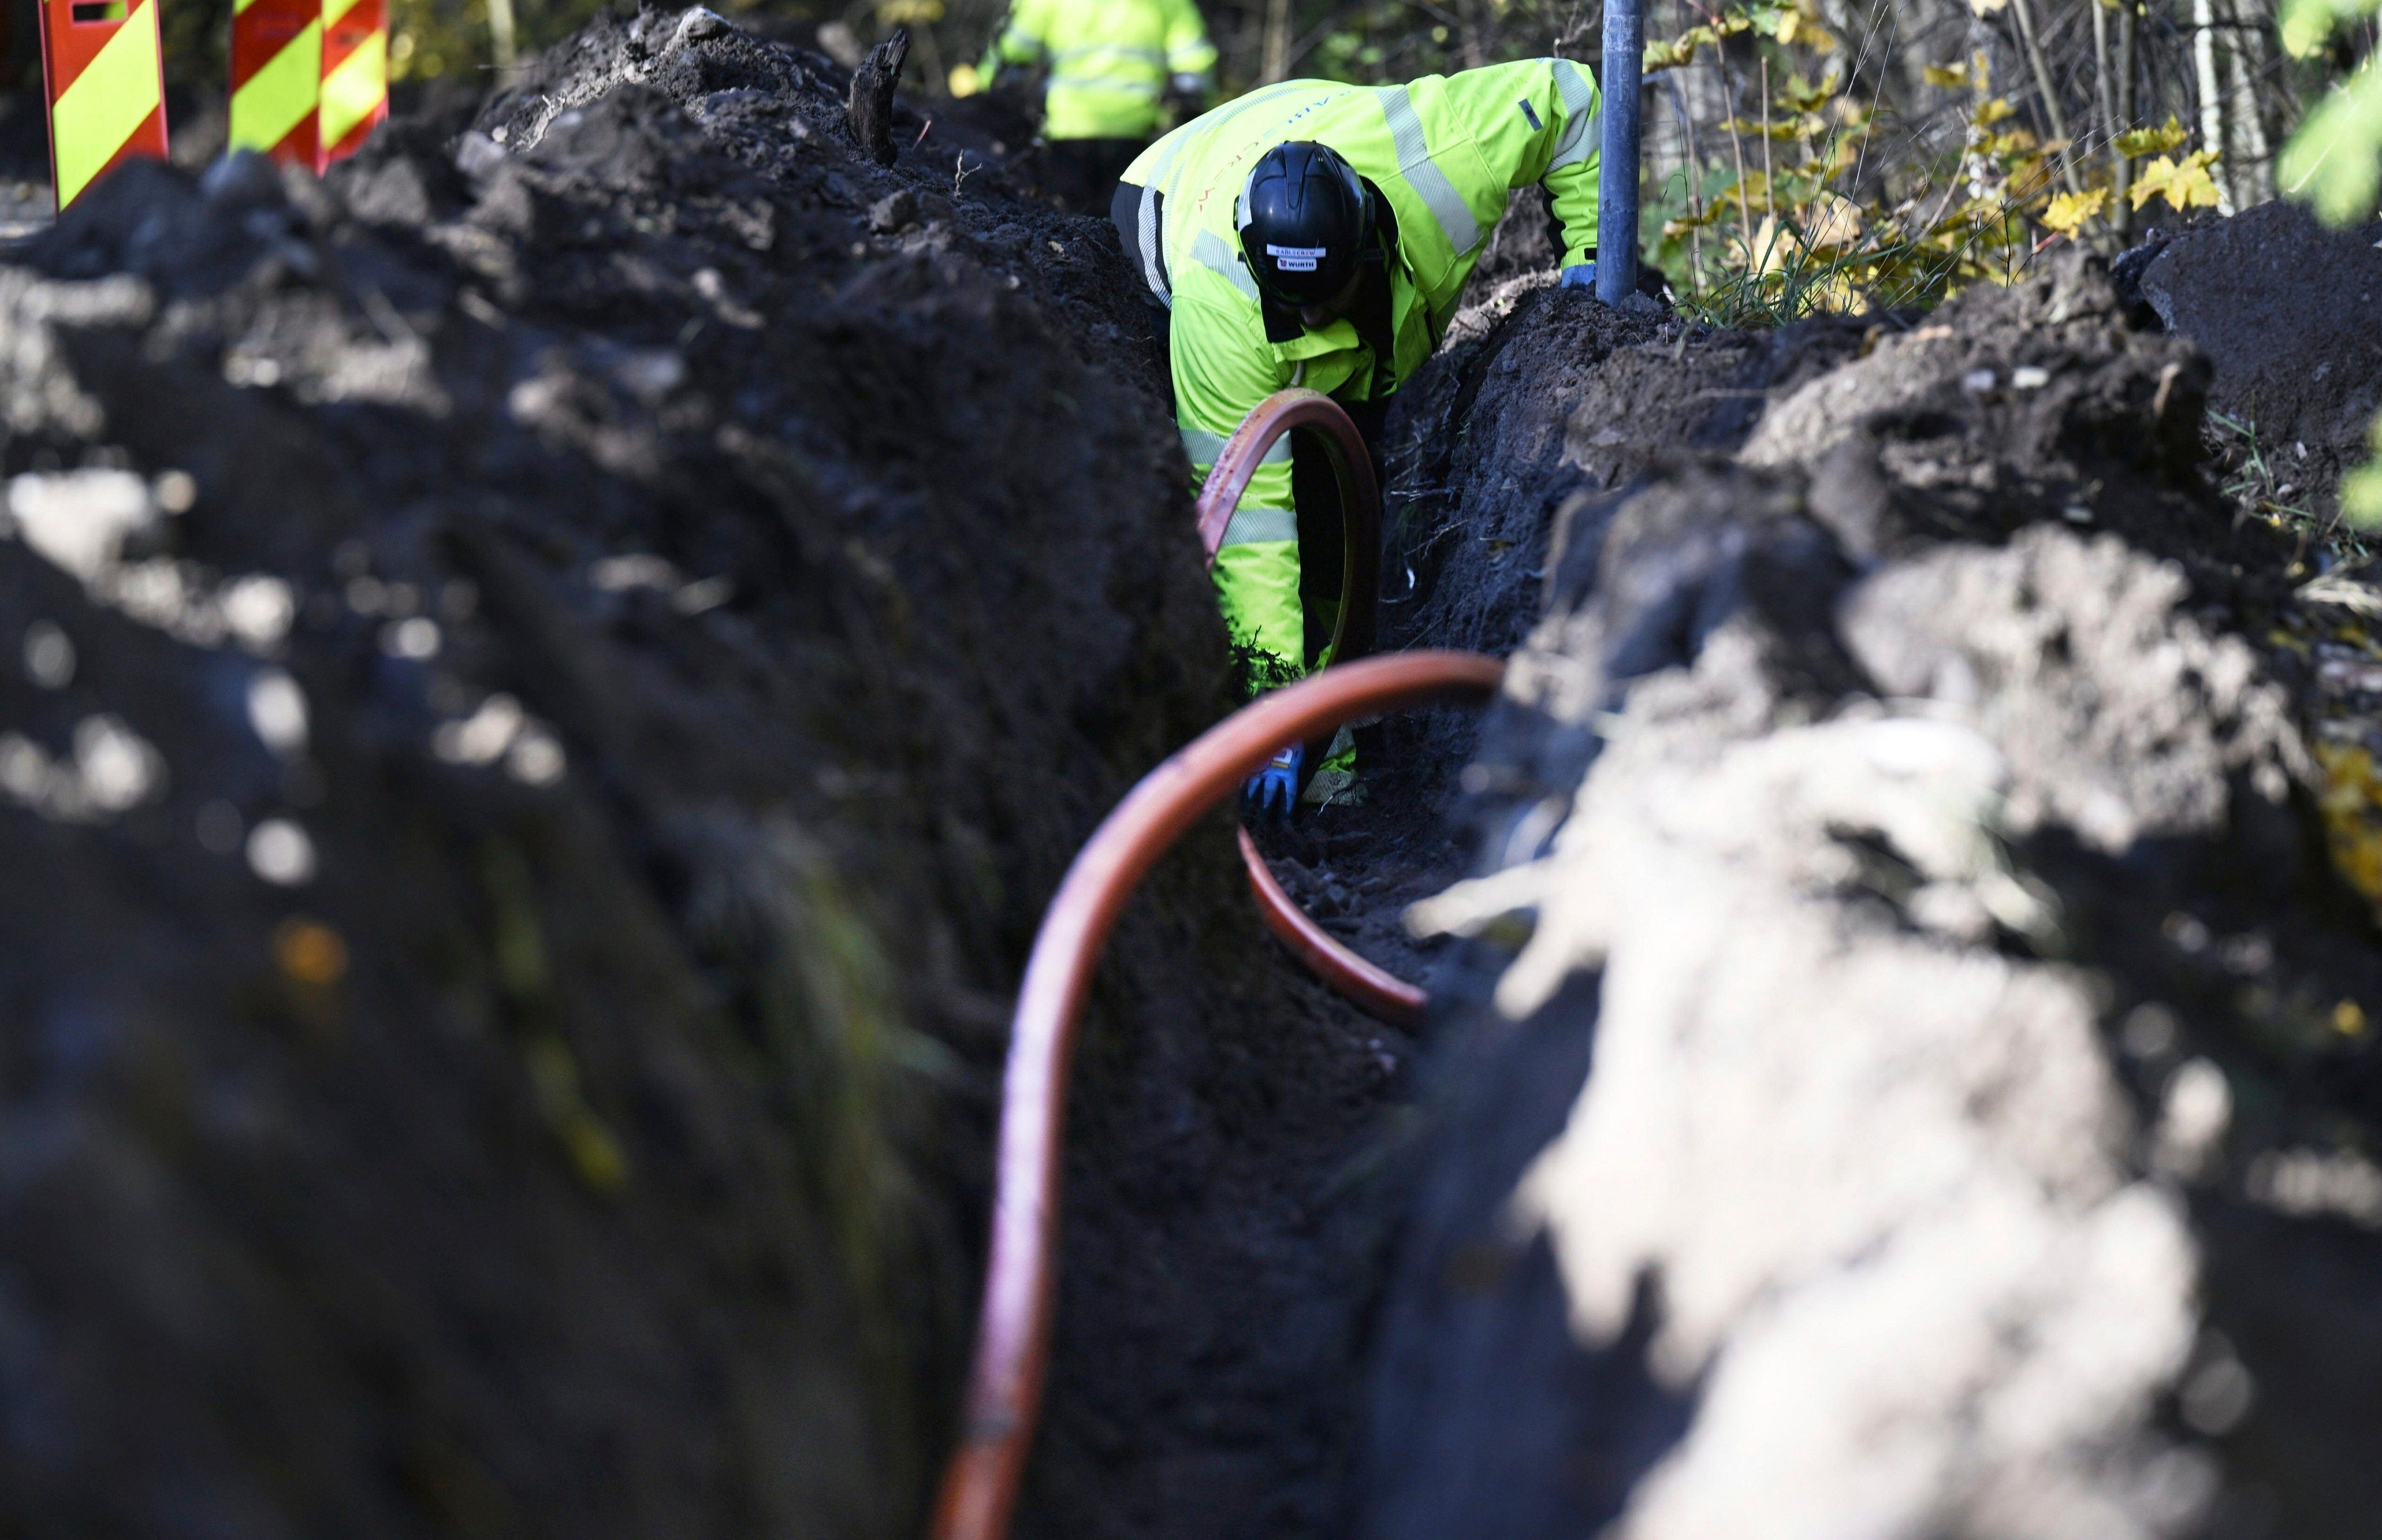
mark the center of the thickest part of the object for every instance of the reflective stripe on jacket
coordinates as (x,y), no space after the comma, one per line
(1109,60)
(1444,150)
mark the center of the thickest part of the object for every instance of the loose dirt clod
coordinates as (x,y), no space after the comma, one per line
(869,106)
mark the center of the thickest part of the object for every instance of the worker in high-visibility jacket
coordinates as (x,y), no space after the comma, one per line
(1317,234)
(1113,65)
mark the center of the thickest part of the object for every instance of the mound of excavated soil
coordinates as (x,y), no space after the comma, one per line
(1917,1076)
(2284,310)
(547,679)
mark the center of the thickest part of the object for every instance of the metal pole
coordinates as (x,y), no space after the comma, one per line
(1617,188)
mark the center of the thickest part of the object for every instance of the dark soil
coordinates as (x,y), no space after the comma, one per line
(2284,310)
(540,1082)
(726,581)
(1727,587)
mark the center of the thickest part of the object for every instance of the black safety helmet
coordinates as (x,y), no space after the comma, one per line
(1305,223)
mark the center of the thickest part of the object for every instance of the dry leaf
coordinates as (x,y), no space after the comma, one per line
(1832,220)
(2186,186)
(2069,210)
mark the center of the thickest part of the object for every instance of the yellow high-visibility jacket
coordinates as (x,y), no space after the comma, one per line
(1444,150)
(1109,60)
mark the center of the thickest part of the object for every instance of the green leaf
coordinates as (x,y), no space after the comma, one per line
(2361,490)
(2308,25)
(1799,95)
(1671,56)
(2335,160)
(2361,496)
(2134,144)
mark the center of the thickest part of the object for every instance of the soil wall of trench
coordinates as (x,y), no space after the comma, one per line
(543,682)
(547,680)
(1909,1069)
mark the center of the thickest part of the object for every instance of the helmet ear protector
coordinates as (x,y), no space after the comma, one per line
(1307,222)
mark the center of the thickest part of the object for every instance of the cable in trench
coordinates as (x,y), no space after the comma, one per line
(981,1483)
(1354,632)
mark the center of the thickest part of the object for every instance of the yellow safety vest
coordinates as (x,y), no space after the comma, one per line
(1444,150)
(1109,60)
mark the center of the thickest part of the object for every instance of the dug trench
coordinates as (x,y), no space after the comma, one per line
(550,676)
(554,669)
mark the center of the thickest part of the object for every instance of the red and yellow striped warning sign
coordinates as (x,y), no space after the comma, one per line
(276,73)
(355,74)
(100,68)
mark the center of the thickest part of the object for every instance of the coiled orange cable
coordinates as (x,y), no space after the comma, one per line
(1004,1397)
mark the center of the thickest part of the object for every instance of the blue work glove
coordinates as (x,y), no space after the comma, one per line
(1278,780)
(1581,274)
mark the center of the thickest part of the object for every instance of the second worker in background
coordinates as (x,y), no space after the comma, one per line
(1111,65)
(1319,233)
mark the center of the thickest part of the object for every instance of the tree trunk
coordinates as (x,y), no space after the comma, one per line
(1692,157)
(503,45)
(1274,58)
(2212,99)
(2130,34)
(2105,91)
(2253,169)
(2054,117)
